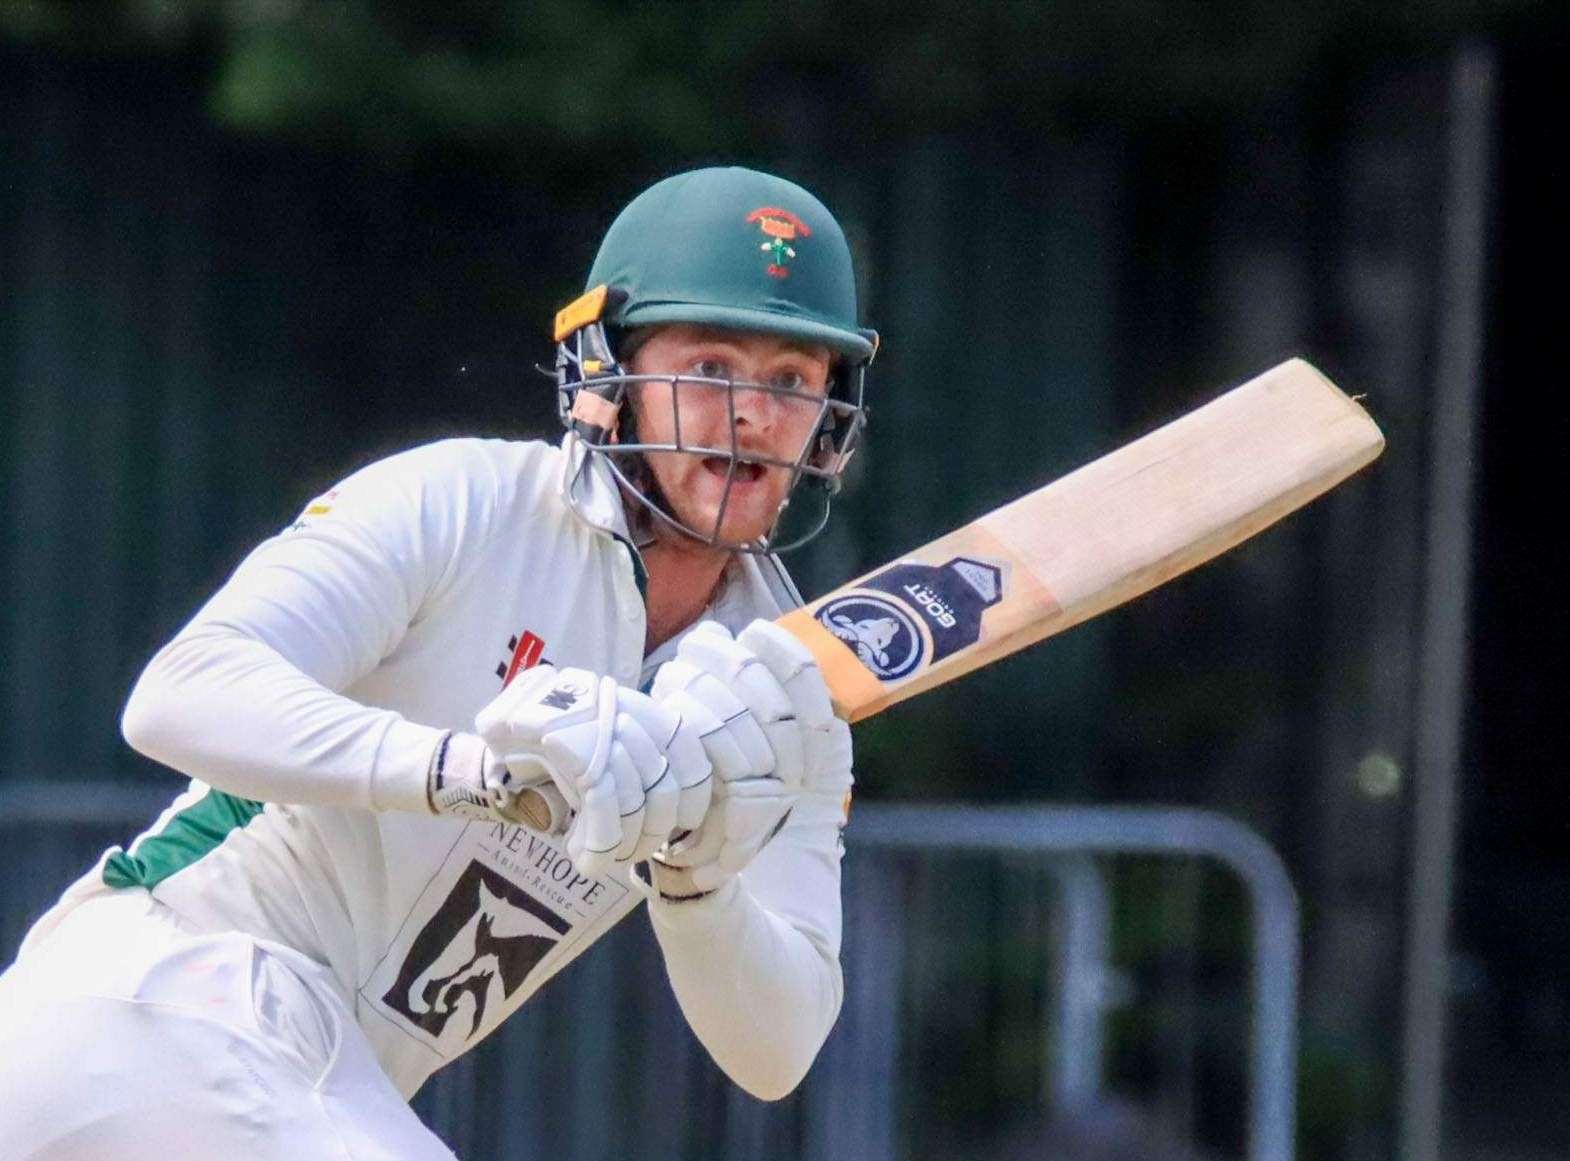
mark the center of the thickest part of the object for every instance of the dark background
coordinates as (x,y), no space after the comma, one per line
(246,248)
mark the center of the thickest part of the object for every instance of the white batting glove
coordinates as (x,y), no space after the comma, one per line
(634,772)
(826,744)
(767,724)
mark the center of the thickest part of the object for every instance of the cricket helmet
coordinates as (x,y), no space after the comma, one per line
(729,248)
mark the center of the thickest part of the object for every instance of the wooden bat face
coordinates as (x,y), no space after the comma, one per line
(1088,542)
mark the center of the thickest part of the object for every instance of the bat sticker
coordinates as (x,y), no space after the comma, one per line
(883,634)
(947,599)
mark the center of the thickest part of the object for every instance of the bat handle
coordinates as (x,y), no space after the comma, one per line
(539,805)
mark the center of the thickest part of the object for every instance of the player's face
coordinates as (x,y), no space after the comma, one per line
(768,424)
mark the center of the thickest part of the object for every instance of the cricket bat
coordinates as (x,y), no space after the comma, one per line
(1086,543)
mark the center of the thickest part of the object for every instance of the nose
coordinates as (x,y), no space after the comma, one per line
(755,407)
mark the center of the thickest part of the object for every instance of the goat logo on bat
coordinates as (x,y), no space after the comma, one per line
(883,634)
(885,626)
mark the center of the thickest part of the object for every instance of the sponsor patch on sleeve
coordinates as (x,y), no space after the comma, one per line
(320,506)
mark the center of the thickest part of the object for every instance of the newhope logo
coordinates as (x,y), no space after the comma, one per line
(473,954)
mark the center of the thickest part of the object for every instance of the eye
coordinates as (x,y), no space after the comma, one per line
(808,378)
(711,368)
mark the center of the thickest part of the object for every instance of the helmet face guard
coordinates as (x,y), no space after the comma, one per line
(595,395)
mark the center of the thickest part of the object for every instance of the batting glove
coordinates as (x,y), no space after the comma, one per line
(633,772)
(768,726)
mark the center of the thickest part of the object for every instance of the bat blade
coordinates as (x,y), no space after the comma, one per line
(1098,537)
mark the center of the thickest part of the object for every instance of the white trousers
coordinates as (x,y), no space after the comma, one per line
(126,1034)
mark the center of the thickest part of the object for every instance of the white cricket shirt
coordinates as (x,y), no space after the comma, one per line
(320,678)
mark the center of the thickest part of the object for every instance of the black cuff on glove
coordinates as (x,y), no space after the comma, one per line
(644,873)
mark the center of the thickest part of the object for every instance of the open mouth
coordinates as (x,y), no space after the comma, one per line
(719,467)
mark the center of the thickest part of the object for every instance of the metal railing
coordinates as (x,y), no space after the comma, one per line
(1081,956)
(849,1105)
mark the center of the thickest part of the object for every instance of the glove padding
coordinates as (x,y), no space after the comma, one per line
(633,771)
(768,726)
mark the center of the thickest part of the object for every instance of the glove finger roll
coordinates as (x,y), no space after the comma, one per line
(678,744)
(761,693)
(738,723)
(794,667)
(688,754)
(598,827)
(695,776)
(738,749)
(658,788)
(740,672)
(629,802)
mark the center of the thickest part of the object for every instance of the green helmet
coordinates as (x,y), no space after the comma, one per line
(734,248)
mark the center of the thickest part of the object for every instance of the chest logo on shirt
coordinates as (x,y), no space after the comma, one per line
(527,651)
(473,954)
(501,913)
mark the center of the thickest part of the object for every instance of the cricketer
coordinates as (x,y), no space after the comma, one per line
(348,896)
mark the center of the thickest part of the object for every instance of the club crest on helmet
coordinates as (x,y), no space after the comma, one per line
(781,228)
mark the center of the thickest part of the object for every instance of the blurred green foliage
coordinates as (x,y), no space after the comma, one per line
(713,75)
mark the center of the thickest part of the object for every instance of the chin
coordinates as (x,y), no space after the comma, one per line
(739,527)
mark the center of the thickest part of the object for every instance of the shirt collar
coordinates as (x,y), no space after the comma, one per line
(589,488)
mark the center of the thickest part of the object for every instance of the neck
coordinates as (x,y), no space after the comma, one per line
(682,578)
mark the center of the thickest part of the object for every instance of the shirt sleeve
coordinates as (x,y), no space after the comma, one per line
(755,966)
(245,698)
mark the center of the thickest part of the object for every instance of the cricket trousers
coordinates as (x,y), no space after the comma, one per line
(127,1034)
